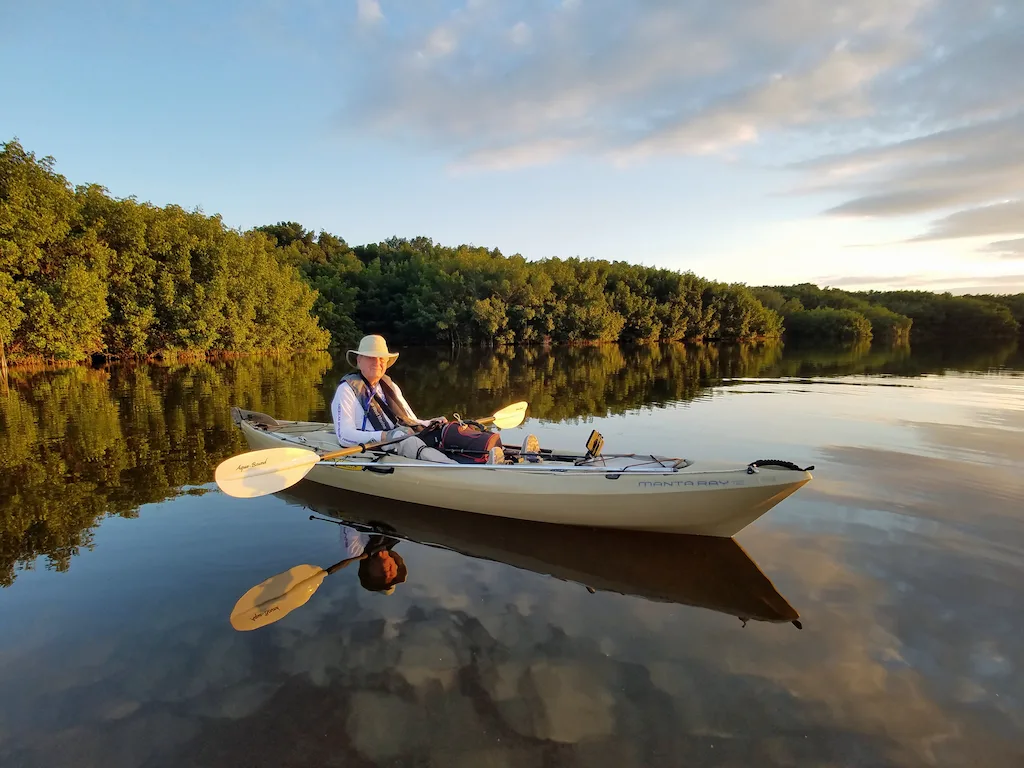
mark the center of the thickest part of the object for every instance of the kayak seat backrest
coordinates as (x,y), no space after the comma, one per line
(238,415)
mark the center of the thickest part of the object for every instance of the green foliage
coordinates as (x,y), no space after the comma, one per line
(52,261)
(1014,303)
(83,273)
(894,315)
(36,208)
(774,300)
(824,325)
(11,313)
(942,315)
(330,267)
(418,292)
(491,317)
(742,316)
(78,445)
(886,325)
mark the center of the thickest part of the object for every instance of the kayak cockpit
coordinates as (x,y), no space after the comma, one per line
(320,437)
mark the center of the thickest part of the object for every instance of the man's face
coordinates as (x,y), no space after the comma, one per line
(385,566)
(372,368)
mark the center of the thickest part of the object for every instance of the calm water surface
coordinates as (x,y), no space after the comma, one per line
(874,618)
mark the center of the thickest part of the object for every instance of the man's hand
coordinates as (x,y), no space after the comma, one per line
(440,421)
(399,432)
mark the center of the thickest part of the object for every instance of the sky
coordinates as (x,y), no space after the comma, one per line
(851,143)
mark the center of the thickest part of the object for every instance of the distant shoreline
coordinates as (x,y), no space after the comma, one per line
(100,362)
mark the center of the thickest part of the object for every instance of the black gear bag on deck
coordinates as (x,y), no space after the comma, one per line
(467,443)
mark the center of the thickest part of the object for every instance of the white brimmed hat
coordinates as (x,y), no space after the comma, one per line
(372,346)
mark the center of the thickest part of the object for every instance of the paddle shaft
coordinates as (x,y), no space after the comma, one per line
(341,564)
(363,447)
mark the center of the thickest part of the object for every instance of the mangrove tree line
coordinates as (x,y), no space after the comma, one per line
(417,292)
(420,292)
(83,273)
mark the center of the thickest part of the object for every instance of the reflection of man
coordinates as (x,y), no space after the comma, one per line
(380,569)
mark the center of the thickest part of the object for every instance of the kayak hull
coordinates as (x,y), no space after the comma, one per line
(709,572)
(713,501)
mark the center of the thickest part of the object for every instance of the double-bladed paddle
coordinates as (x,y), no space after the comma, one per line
(258,473)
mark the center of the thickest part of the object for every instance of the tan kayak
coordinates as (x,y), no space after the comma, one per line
(700,571)
(634,491)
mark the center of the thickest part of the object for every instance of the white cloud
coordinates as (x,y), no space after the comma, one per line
(1007,249)
(520,34)
(1006,218)
(645,78)
(440,42)
(957,284)
(892,109)
(369,11)
(833,88)
(518,156)
(971,164)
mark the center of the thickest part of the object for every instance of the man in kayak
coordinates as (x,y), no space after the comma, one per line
(380,568)
(369,407)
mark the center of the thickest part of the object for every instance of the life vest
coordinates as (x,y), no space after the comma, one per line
(376,410)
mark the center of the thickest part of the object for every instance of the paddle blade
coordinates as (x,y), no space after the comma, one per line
(275,598)
(511,416)
(258,473)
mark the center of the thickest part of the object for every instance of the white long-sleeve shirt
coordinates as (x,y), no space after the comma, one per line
(353,542)
(348,415)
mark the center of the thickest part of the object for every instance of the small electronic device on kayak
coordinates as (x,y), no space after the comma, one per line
(594,444)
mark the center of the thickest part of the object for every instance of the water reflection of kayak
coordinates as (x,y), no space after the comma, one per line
(702,571)
(623,491)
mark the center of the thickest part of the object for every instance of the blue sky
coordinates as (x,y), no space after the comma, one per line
(856,143)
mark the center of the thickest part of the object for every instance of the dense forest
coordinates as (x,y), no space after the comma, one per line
(812,312)
(83,273)
(418,292)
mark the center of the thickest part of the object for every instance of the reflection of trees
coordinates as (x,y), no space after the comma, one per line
(896,360)
(579,382)
(79,444)
(573,382)
(842,360)
(976,355)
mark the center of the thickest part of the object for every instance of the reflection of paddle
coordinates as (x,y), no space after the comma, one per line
(258,473)
(275,598)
